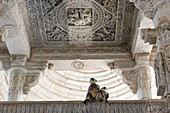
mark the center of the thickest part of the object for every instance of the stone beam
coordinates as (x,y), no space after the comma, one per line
(43,54)
(138,45)
(11,21)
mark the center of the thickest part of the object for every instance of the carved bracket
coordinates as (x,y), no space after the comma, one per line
(31,80)
(137,76)
(149,35)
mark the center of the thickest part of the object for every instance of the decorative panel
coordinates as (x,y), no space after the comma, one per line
(80,22)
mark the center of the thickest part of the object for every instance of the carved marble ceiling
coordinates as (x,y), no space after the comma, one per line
(67,23)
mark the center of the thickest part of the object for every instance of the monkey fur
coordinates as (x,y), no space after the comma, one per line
(102,95)
(92,91)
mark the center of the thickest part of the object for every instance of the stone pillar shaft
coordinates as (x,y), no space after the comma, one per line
(143,84)
(15,91)
(162,61)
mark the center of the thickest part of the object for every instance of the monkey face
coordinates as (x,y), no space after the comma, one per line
(103,88)
(92,80)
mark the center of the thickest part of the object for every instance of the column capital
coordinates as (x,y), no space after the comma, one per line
(132,78)
(140,77)
(34,71)
(14,70)
(142,58)
(16,82)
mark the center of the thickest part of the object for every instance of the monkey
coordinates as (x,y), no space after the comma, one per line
(102,95)
(92,91)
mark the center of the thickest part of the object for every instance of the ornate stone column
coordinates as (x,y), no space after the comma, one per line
(143,79)
(23,75)
(159,11)
(16,82)
(140,78)
(16,74)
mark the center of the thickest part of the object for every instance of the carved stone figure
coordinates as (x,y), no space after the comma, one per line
(79,16)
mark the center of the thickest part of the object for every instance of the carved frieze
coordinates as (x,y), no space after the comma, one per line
(157,107)
(42,54)
(95,50)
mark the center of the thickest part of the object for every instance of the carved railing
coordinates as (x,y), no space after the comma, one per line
(153,106)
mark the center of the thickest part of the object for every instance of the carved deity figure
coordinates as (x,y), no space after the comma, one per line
(79,16)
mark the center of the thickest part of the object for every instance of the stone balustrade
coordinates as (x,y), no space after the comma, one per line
(137,106)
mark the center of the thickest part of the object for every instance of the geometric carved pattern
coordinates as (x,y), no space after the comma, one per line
(158,107)
(63,22)
(77,64)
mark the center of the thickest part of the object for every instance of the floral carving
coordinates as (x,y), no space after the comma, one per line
(79,16)
(78,64)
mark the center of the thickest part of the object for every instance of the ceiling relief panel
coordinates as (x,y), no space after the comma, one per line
(79,22)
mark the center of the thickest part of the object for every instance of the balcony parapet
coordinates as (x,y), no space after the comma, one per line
(128,106)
